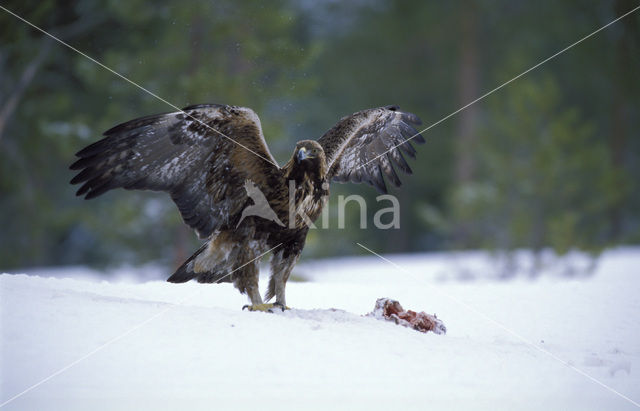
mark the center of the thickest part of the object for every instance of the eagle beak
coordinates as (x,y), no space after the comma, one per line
(302,154)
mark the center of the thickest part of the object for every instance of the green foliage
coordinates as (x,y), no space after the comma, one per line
(546,175)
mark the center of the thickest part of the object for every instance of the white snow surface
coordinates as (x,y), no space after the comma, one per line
(516,344)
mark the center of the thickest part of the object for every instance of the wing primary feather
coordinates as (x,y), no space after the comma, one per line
(91,162)
(378,180)
(410,117)
(90,150)
(84,175)
(399,160)
(390,172)
(97,190)
(409,132)
(408,149)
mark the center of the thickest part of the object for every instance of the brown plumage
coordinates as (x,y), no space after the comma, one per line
(209,157)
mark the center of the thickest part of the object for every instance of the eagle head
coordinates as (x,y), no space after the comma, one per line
(309,151)
(308,158)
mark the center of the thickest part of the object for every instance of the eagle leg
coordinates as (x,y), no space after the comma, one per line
(281,267)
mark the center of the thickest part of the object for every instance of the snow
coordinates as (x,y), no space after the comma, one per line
(156,345)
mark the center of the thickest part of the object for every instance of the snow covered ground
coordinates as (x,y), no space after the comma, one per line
(517,344)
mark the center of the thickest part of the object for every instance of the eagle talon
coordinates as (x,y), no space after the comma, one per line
(282,306)
(267,308)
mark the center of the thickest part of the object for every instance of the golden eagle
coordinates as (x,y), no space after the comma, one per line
(210,158)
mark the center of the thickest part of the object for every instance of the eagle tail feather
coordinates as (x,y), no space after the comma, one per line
(216,274)
(185,272)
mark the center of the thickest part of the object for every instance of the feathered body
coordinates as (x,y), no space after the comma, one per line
(211,158)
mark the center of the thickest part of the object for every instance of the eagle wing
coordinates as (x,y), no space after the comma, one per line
(201,156)
(368,145)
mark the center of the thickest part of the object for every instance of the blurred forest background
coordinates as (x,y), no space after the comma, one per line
(549,161)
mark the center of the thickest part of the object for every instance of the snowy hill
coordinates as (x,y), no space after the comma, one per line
(517,344)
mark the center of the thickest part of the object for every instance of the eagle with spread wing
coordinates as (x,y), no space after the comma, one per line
(207,157)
